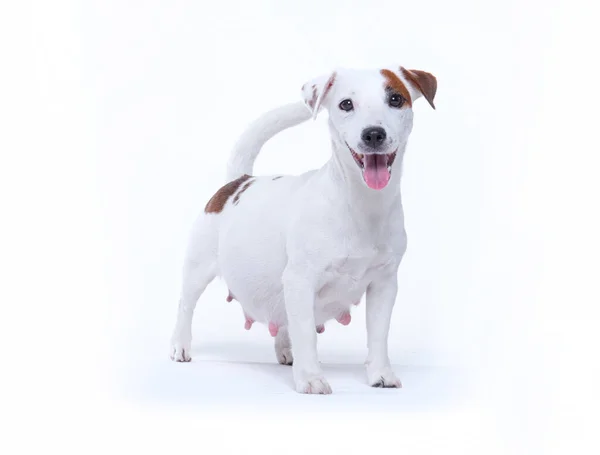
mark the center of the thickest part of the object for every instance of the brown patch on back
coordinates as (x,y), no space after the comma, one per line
(393,82)
(220,198)
(425,82)
(236,199)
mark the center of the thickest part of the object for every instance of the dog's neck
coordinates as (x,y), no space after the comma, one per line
(350,184)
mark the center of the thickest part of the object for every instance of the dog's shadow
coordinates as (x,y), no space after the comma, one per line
(264,362)
(244,364)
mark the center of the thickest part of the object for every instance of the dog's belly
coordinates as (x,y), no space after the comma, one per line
(255,281)
(259,289)
(265,302)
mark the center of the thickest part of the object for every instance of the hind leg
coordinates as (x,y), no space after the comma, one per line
(283,347)
(200,268)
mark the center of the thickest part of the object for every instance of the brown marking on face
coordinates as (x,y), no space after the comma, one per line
(425,82)
(220,198)
(236,199)
(394,83)
(278,177)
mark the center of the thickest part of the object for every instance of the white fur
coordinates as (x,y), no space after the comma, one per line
(300,250)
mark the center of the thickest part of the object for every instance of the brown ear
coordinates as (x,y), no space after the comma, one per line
(425,82)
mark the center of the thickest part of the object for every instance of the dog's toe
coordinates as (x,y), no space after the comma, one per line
(382,383)
(384,378)
(284,356)
(180,352)
(315,386)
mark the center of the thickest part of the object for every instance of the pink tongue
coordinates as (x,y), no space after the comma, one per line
(376,172)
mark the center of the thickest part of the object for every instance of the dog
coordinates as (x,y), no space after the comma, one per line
(297,251)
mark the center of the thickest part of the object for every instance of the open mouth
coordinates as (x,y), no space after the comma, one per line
(376,167)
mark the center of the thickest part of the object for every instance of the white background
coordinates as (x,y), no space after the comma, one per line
(117,121)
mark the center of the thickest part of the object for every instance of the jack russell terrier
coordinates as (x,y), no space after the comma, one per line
(297,251)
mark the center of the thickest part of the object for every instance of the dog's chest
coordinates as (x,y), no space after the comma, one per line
(346,278)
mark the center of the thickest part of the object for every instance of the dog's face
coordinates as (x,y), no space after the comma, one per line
(370,115)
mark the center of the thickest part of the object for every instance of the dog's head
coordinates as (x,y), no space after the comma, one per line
(370,115)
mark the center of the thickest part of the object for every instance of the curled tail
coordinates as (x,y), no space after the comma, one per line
(259,132)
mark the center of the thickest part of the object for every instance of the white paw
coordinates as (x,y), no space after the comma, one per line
(313,385)
(284,355)
(383,377)
(181,350)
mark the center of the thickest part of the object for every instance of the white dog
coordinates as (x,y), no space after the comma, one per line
(297,251)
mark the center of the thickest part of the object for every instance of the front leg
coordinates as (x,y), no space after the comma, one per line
(381,296)
(299,290)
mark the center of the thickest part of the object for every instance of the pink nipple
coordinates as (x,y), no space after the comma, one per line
(249,322)
(273,329)
(344,319)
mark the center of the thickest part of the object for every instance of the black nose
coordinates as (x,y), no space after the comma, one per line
(373,136)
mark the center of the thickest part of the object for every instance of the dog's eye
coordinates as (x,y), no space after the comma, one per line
(396,100)
(346,105)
